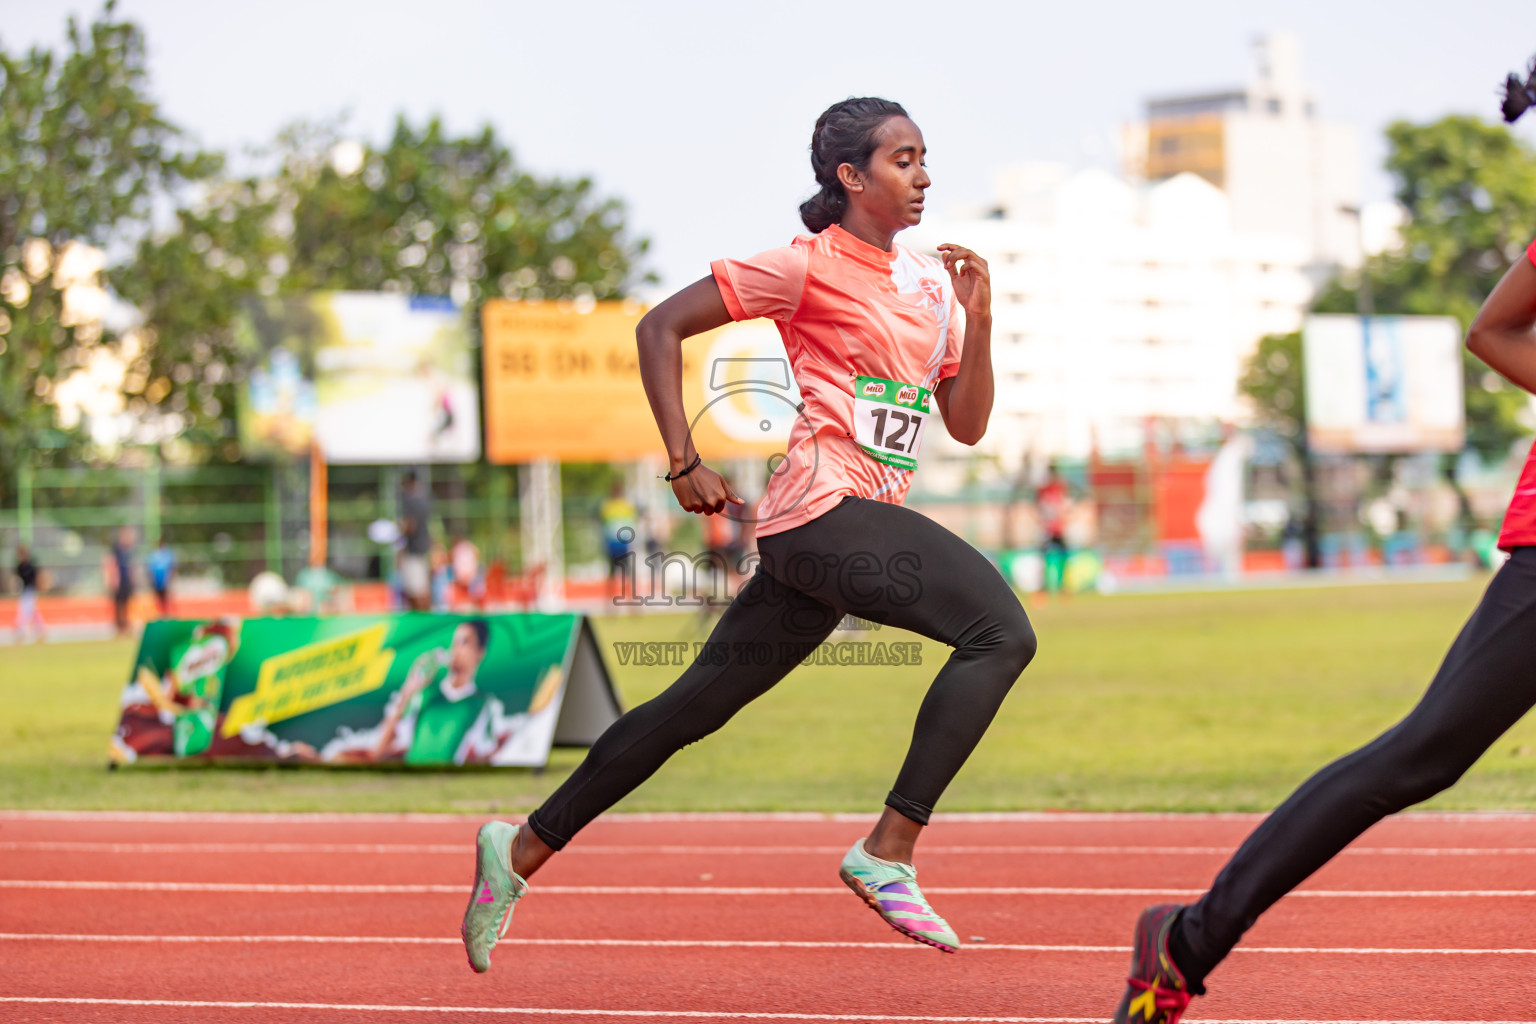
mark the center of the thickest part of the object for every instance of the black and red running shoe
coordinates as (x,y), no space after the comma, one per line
(1157,992)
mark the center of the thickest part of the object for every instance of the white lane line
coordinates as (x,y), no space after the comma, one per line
(460,849)
(328,817)
(524,1011)
(62,846)
(724,890)
(1036,817)
(976,947)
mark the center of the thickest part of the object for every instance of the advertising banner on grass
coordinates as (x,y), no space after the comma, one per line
(564,384)
(371,377)
(416,689)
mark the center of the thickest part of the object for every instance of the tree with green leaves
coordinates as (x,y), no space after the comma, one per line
(87,159)
(428,213)
(84,155)
(189,283)
(434,214)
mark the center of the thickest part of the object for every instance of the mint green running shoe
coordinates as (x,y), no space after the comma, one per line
(497,889)
(891,891)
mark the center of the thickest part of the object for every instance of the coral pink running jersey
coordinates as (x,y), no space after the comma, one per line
(1520,521)
(845,309)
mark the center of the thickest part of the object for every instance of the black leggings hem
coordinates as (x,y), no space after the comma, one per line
(552,840)
(908,808)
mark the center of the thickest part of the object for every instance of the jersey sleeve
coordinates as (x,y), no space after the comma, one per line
(769,284)
(956,340)
(1530,254)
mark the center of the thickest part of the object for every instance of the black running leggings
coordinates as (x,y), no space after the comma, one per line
(1484,686)
(878,561)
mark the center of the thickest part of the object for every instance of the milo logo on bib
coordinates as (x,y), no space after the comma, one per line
(888,419)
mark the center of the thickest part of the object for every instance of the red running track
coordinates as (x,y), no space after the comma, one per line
(331,918)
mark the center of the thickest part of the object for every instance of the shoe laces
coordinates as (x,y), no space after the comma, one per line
(1156,997)
(911,893)
(506,922)
(519,890)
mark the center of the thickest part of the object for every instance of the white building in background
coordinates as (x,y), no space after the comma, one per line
(1286,171)
(1114,302)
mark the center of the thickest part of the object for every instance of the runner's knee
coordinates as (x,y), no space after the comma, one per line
(1008,637)
(1419,784)
(1413,765)
(1018,643)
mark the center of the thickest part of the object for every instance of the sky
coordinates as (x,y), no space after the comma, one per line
(699,115)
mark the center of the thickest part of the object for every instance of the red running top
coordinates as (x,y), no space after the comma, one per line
(1520,521)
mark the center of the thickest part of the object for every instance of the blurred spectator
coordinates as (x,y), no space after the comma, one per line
(468,578)
(619,519)
(397,601)
(117,570)
(658,531)
(728,540)
(722,536)
(28,619)
(415,531)
(746,542)
(161,564)
(1052,502)
(442,577)
(1293,548)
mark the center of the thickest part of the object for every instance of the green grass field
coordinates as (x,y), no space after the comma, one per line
(1178,702)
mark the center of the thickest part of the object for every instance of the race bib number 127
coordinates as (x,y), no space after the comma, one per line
(888,418)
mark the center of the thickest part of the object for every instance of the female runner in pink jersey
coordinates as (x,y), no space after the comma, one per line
(878,342)
(1486,683)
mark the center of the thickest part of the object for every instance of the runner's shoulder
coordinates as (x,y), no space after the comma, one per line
(819,243)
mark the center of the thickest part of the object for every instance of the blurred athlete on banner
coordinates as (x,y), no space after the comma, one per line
(175,712)
(441,716)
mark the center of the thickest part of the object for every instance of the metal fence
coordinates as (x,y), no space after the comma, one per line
(227,523)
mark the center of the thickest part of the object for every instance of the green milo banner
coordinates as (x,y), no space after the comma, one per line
(414,688)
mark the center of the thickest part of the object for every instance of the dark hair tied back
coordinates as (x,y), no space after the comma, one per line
(845,134)
(1519,96)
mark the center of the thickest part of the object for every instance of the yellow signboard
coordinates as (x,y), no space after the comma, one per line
(563,384)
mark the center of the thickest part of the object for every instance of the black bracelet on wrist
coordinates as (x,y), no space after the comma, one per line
(684,472)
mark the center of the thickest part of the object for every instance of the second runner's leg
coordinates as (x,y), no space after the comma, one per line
(1486,683)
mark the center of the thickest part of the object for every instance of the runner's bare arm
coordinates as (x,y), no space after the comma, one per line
(694,310)
(965,400)
(1502,334)
(415,681)
(387,727)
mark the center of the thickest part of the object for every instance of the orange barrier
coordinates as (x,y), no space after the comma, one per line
(92,609)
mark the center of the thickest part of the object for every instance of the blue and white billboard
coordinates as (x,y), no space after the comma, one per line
(1384,384)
